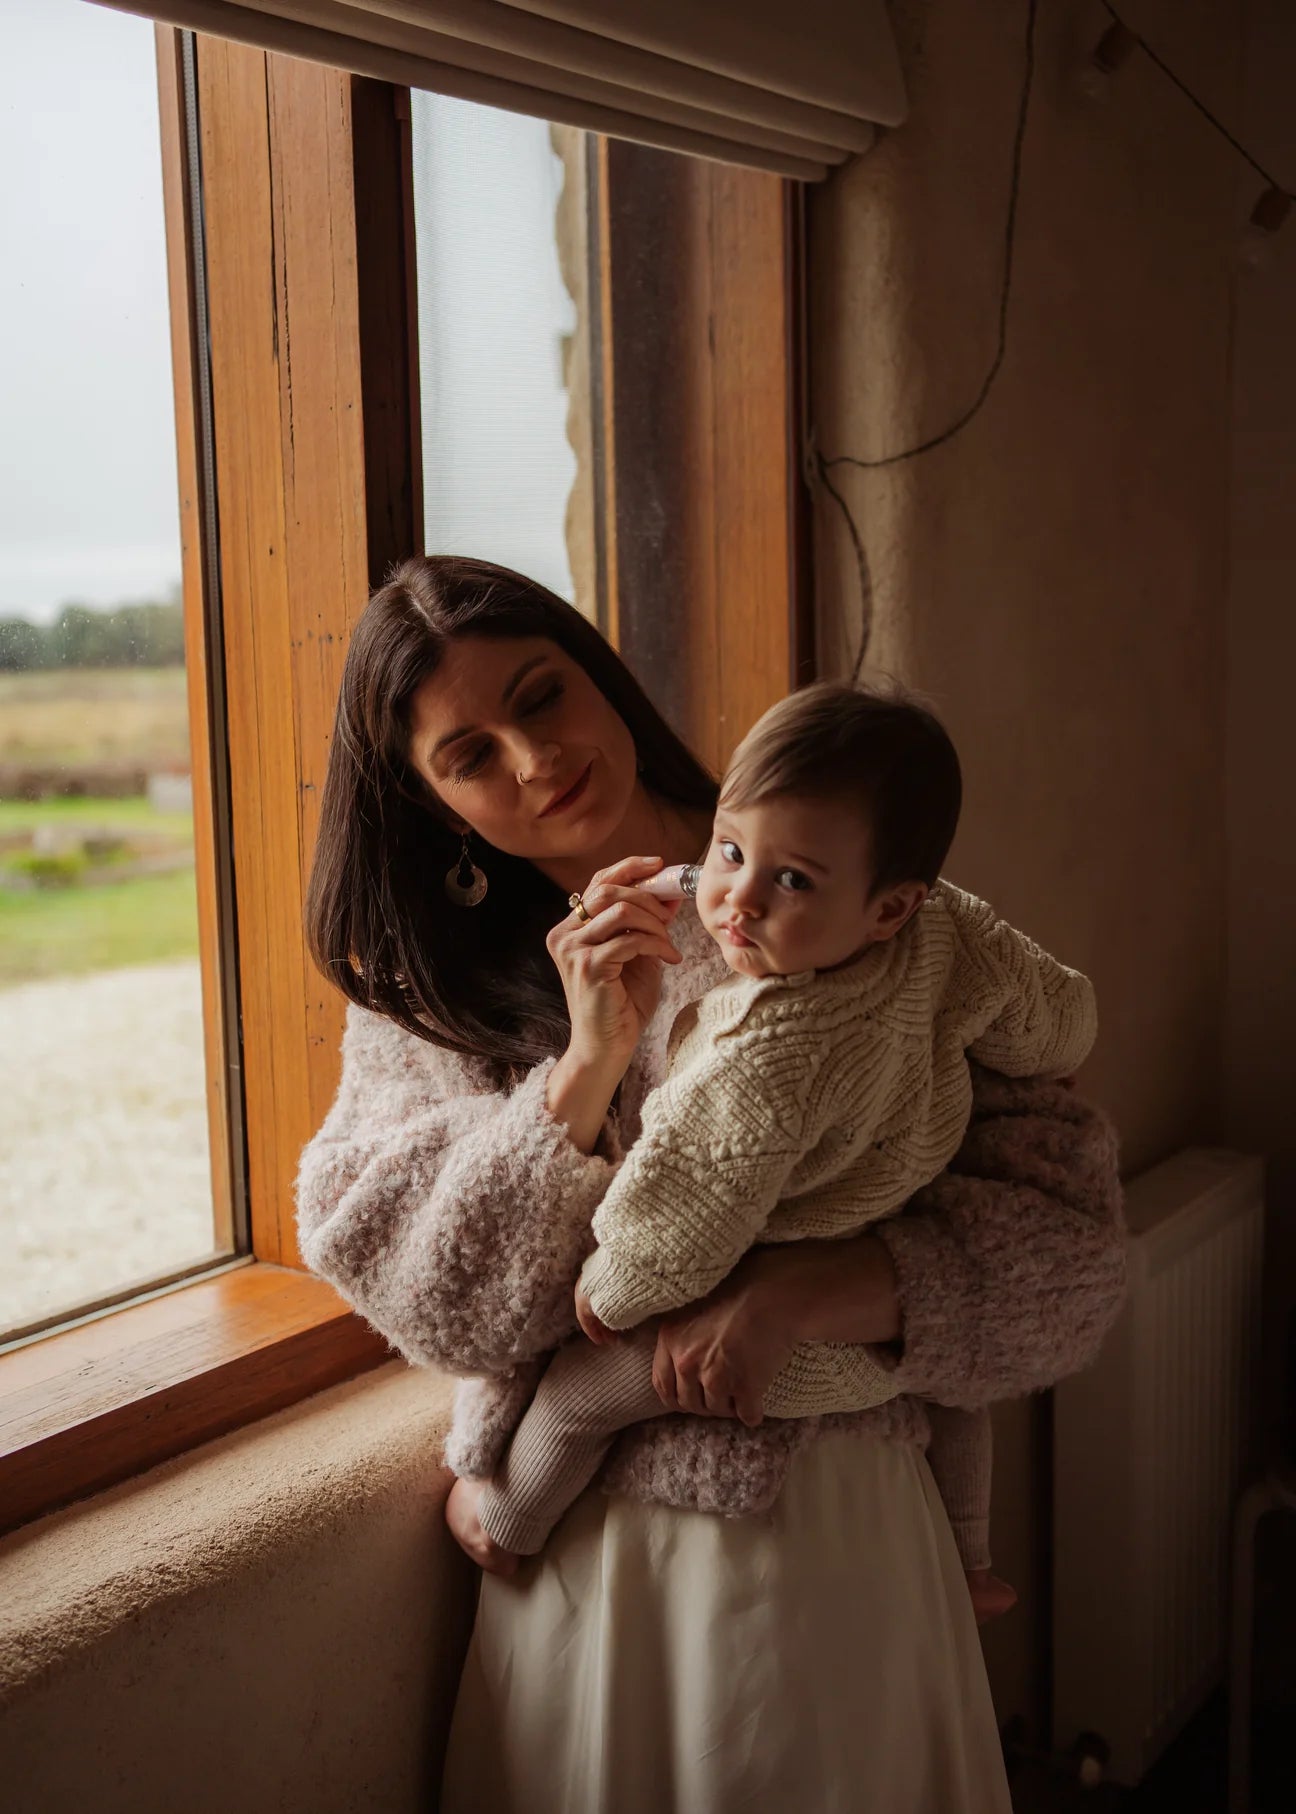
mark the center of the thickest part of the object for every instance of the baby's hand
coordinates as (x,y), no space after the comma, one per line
(593,1328)
(466,1529)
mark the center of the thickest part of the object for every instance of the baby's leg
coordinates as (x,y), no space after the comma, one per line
(960,1460)
(587,1395)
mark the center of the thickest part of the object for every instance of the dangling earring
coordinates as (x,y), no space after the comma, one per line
(466,884)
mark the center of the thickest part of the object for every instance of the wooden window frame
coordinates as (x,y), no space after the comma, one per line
(312,365)
(701,375)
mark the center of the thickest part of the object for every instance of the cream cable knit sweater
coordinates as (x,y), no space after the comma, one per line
(806,1107)
(456,1217)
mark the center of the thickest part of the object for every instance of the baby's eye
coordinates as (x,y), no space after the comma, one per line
(730,851)
(795,879)
(471,764)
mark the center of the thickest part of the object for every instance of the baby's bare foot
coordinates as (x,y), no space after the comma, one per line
(465,1528)
(991,1597)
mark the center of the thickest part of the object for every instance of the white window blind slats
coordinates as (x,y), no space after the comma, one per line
(795,89)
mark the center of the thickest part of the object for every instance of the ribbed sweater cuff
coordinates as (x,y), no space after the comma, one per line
(618,1295)
(514,1529)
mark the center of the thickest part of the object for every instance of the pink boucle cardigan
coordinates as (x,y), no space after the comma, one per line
(456,1219)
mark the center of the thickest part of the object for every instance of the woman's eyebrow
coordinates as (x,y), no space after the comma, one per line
(466,730)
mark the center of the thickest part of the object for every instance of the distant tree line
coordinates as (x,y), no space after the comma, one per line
(143,634)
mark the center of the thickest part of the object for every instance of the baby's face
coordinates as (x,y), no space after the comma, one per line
(785,886)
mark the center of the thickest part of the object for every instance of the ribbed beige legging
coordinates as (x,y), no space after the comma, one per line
(587,1395)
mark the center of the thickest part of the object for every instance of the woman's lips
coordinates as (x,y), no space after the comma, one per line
(572,795)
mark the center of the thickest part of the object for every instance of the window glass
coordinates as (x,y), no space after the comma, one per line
(104,1175)
(503,353)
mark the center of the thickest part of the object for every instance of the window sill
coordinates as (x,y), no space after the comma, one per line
(97,1404)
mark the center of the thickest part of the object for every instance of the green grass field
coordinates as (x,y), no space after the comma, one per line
(83,717)
(71,931)
(93,815)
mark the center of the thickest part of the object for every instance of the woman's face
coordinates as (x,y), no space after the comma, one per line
(516,740)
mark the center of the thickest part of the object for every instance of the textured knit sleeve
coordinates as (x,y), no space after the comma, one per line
(1011,1264)
(1044,1020)
(719,1142)
(453,1217)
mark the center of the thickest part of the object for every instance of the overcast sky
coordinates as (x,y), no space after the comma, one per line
(88,505)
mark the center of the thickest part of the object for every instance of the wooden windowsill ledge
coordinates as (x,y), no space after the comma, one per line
(94,1405)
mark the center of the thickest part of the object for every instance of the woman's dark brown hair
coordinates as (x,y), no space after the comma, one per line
(475,980)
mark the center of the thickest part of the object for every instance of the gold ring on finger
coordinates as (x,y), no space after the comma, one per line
(578,907)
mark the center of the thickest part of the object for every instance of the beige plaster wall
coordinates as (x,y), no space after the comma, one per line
(273,1623)
(1056,576)
(1260,1069)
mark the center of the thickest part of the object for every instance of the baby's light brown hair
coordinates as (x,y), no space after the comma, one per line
(882,750)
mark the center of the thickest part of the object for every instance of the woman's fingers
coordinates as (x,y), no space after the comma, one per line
(582,950)
(716,1387)
(725,1351)
(663,1376)
(626,872)
(600,962)
(625,915)
(579,946)
(687,1379)
(749,1407)
(601,898)
(627,910)
(688,1389)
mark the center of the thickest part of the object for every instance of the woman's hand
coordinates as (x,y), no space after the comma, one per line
(718,1358)
(610,965)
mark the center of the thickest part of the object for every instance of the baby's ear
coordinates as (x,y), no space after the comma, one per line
(895,907)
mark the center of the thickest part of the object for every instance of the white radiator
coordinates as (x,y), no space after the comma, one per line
(1149,1447)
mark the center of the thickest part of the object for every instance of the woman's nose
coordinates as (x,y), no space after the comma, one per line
(535,761)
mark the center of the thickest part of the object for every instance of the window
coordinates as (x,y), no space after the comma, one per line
(337,408)
(499,218)
(603,390)
(105,1173)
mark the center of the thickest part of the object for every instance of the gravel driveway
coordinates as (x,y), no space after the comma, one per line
(104,1174)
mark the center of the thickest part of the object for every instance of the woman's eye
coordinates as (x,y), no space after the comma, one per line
(730,851)
(795,879)
(471,764)
(542,702)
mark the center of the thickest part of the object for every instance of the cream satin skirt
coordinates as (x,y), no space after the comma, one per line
(823,1660)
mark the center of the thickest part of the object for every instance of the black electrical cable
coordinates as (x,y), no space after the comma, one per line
(824,464)
(1005,286)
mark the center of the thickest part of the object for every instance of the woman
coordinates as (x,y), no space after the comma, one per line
(819,1653)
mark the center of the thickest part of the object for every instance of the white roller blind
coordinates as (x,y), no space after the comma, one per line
(794,86)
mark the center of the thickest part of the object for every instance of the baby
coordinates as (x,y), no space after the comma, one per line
(809,1095)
